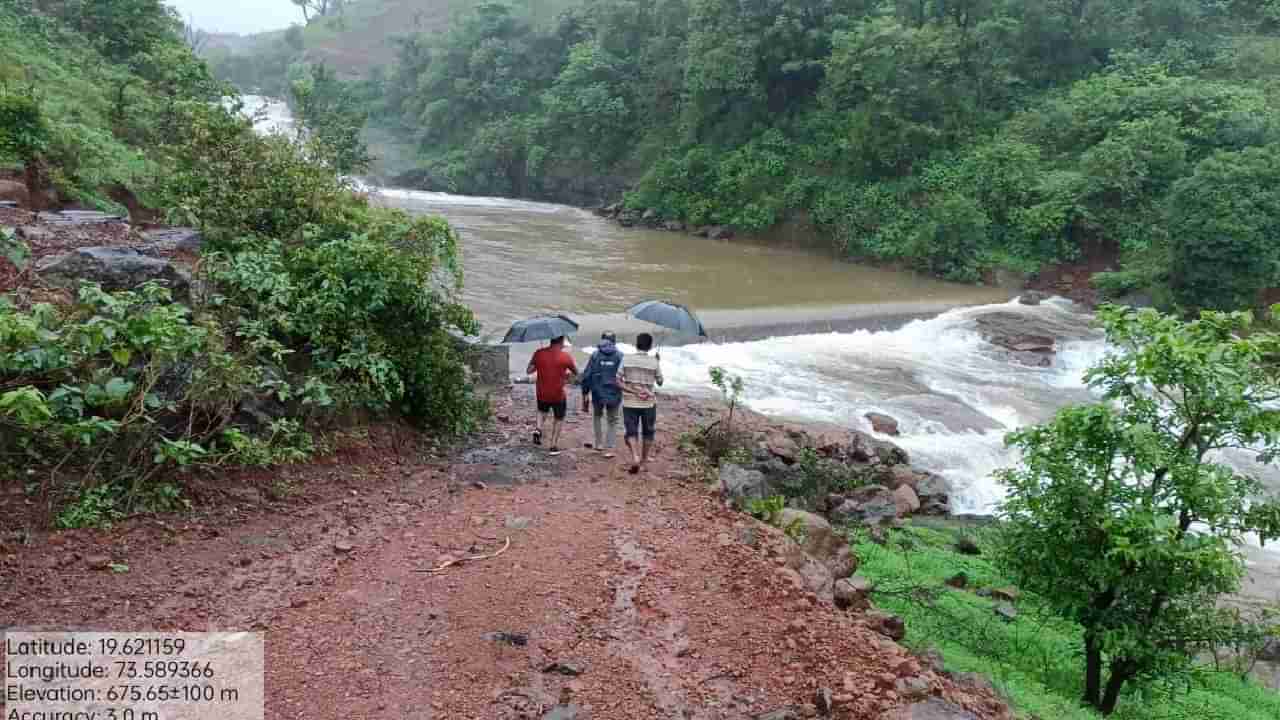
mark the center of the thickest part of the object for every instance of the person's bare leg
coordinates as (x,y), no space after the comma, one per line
(635,454)
(644,454)
(557,426)
(542,421)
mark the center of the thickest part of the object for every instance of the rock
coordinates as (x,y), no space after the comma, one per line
(888,624)
(899,476)
(518,523)
(563,712)
(913,688)
(162,241)
(817,578)
(852,593)
(489,363)
(965,545)
(958,581)
(510,638)
(932,709)
(702,231)
(14,191)
(1270,651)
(934,492)
(720,232)
(1006,612)
(779,714)
(627,219)
(883,424)
(1032,297)
(38,234)
(649,215)
(673,226)
(738,483)
(782,447)
(1007,594)
(820,541)
(906,499)
(888,454)
(98,562)
(869,505)
(342,547)
(114,269)
(823,702)
(932,659)
(566,669)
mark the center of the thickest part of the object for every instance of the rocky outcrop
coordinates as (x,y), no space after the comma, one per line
(489,364)
(870,505)
(883,424)
(166,241)
(1029,337)
(740,484)
(820,541)
(848,475)
(113,268)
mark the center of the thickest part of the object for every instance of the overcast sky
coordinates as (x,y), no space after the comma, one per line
(238,16)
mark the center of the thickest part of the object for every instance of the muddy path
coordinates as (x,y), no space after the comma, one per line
(617,596)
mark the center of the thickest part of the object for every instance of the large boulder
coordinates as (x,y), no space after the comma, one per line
(869,505)
(821,542)
(813,573)
(883,424)
(1030,337)
(852,593)
(934,492)
(739,484)
(113,268)
(1270,651)
(908,501)
(720,232)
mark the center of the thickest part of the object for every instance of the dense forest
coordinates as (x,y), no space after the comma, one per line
(956,135)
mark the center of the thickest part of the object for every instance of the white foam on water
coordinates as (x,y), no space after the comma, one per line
(839,377)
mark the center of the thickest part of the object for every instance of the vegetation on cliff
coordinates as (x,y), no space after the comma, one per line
(308,306)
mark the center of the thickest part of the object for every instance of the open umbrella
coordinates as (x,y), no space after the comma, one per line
(544,327)
(669,315)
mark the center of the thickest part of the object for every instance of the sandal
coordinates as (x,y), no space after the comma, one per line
(554,452)
(537,437)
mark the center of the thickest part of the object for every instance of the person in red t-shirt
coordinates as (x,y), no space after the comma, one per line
(554,367)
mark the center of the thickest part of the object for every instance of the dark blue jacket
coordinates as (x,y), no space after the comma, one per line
(601,375)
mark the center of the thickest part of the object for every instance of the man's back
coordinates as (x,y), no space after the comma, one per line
(551,364)
(642,372)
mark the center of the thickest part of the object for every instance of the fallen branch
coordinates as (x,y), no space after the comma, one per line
(470,558)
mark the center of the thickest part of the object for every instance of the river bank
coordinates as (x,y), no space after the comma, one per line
(664,602)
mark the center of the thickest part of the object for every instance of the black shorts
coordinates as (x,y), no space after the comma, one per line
(640,421)
(559,408)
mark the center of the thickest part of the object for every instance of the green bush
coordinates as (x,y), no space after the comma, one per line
(117,388)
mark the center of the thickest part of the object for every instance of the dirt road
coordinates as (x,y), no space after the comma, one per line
(618,597)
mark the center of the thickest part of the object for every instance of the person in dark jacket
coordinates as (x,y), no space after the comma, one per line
(600,384)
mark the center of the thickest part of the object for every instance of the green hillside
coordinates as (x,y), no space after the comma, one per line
(354,41)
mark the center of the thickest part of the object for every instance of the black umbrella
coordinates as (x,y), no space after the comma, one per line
(668,315)
(545,327)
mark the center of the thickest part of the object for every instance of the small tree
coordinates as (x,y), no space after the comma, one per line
(1119,514)
(731,388)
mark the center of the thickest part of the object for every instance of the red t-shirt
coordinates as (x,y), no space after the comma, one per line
(551,364)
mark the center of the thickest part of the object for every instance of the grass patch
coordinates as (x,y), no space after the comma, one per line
(1035,660)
